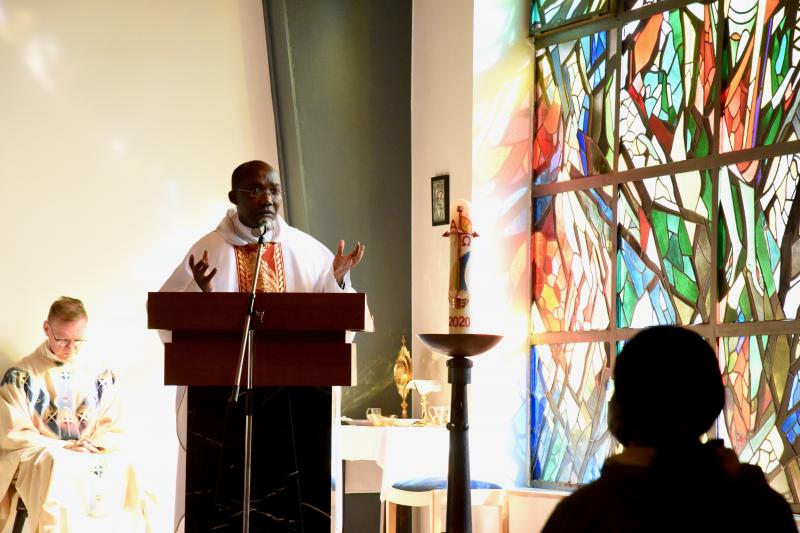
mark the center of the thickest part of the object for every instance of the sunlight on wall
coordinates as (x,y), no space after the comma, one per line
(501,198)
(121,127)
(473,75)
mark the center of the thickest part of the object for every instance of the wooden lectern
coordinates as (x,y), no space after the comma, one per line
(301,350)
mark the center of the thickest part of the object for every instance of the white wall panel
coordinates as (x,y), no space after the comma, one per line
(120,123)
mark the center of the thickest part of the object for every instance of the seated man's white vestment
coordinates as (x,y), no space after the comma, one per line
(45,405)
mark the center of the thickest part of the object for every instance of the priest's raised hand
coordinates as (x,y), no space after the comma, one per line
(199,270)
(342,264)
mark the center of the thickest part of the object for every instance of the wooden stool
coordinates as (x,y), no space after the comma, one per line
(22,515)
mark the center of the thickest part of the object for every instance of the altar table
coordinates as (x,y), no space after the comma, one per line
(401,453)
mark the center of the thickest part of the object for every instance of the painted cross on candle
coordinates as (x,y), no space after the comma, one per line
(461,235)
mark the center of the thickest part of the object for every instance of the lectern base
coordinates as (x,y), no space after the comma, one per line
(291,476)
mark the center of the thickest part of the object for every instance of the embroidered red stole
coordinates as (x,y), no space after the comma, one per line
(271,277)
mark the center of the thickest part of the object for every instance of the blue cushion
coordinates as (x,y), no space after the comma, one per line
(438,483)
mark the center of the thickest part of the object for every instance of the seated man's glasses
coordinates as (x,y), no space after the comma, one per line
(63,343)
(258,192)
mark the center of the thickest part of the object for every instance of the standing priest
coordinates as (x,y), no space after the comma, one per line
(293,261)
(287,453)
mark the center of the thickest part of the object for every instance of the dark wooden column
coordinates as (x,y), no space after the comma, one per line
(459,501)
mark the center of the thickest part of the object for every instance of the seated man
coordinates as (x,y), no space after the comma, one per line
(58,436)
(668,392)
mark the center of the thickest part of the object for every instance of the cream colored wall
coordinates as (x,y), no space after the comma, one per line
(528,510)
(471,80)
(120,124)
(441,143)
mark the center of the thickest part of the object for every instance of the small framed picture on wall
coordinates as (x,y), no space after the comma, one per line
(440,200)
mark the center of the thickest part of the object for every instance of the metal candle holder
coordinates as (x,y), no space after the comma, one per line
(459,347)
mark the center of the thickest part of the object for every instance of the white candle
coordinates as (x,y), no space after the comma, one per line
(461,234)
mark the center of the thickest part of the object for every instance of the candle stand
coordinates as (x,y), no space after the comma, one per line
(459,347)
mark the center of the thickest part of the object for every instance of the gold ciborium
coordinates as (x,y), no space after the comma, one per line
(403,374)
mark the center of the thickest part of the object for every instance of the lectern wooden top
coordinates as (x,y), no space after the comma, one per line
(225,311)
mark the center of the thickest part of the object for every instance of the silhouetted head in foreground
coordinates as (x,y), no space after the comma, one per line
(667,389)
(668,392)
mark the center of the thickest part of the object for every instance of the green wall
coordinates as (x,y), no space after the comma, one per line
(341,73)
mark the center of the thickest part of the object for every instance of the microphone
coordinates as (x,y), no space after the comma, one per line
(261,229)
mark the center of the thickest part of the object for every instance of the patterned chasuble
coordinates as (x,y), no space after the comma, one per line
(66,415)
(271,277)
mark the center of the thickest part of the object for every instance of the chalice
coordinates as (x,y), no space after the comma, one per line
(425,387)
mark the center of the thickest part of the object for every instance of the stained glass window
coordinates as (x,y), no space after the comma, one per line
(664,254)
(761,422)
(574,110)
(759,240)
(685,210)
(667,103)
(572,261)
(761,74)
(549,13)
(568,410)
(635,4)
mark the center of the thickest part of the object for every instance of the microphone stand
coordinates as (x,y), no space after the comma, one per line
(247,346)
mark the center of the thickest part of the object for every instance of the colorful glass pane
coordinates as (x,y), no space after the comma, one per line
(569,404)
(761,420)
(666,99)
(636,4)
(571,255)
(759,240)
(664,261)
(669,111)
(550,13)
(574,110)
(761,75)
